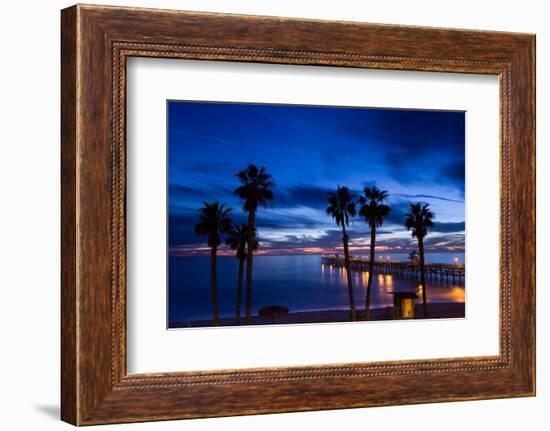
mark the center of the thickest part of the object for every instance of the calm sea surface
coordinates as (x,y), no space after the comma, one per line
(300,283)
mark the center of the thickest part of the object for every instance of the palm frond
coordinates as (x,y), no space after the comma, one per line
(419,219)
(214,220)
(237,239)
(342,205)
(256,187)
(372,206)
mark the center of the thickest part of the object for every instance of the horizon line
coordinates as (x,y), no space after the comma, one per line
(207,253)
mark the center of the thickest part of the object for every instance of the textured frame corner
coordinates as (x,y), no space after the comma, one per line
(96,41)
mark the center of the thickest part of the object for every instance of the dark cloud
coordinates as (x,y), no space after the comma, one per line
(205,192)
(306,195)
(398,209)
(285,222)
(209,169)
(420,129)
(411,167)
(181,228)
(449,227)
(454,173)
(303,195)
(178,191)
(424,148)
(423,196)
(330,238)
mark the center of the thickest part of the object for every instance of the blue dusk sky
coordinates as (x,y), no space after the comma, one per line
(417,156)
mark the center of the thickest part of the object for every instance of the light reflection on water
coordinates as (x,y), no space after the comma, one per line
(384,284)
(300,283)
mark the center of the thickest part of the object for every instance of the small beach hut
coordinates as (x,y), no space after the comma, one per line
(273,311)
(403,305)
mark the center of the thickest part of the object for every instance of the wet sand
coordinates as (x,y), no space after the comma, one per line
(444,310)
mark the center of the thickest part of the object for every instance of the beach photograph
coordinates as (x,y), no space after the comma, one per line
(302,214)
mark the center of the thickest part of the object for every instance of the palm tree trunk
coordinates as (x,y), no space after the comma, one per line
(348,272)
(239,292)
(423,276)
(250,253)
(214,285)
(371,271)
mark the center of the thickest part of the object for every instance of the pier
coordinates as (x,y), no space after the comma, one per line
(434,271)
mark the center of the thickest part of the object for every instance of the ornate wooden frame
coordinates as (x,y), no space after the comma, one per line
(95,42)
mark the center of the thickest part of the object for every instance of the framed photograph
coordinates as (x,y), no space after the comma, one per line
(313,243)
(289,207)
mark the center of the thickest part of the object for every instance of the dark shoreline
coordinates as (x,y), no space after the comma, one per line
(438,310)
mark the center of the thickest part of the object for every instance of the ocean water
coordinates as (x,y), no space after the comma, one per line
(297,282)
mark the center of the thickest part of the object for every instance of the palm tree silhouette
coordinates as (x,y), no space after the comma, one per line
(419,220)
(374,211)
(237,239)
(214,221)
(342,207)
(255,189)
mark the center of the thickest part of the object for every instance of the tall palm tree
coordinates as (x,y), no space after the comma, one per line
(255,190)
(237,238)
(342,207)
(419,220)
(214,221)
(374,210)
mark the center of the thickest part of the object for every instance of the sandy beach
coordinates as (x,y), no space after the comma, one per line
(443,310)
